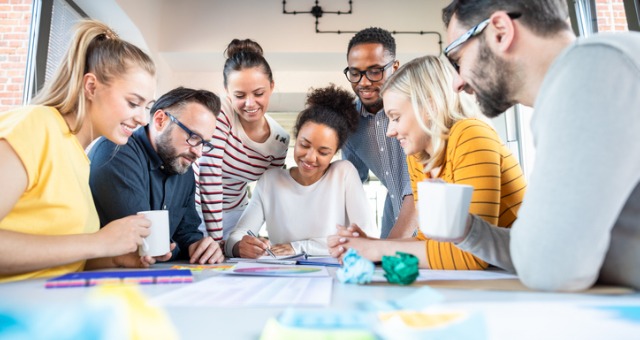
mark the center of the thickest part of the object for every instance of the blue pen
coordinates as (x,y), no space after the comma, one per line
(268,250)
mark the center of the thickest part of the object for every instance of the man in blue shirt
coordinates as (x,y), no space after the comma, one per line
(371,59)
(153,170)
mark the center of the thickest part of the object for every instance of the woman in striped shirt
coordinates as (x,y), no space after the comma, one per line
(440,131)
(246,142)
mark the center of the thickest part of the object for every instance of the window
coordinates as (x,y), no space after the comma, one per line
(51,31)
(591,16)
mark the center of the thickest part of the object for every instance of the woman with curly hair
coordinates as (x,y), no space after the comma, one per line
(295,202)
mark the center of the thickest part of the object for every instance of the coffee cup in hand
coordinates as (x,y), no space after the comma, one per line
(443,209)
(157,243)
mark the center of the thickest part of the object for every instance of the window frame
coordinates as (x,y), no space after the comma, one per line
(39,39)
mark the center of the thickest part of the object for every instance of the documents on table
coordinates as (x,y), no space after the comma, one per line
(243,291)
(124,276)
(302,259)
(288,259)
(263,269)
(452,275)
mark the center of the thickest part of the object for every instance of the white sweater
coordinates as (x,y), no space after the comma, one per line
(305,215)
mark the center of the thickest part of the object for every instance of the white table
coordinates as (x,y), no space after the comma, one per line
(521,320)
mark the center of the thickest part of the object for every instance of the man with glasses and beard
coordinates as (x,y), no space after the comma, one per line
(153,170)
(580,220)
(371,58)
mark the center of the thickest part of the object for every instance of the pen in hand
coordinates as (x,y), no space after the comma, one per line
(250,233)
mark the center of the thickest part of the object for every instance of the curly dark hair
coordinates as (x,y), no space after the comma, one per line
(375,35)
(243,54)
(330,106)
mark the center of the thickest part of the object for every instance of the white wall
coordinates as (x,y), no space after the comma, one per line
(187,38)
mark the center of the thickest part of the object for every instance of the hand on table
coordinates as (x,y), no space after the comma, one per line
(207,250)
(283,249)
(345,238)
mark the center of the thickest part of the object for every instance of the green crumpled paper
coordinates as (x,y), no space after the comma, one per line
(400,269)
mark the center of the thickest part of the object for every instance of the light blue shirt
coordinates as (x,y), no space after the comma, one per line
(368,148)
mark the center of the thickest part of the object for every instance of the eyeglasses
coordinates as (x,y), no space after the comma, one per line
(194,139)
(474,31)
(373,74)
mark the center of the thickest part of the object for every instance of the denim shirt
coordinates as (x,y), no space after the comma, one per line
(368,148)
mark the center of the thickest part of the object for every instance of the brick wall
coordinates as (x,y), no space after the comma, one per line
(611,16)
(15,19)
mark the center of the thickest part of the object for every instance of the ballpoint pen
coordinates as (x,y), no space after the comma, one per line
(268,250)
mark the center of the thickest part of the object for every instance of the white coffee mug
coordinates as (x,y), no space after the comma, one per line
(443,209)
(157,243)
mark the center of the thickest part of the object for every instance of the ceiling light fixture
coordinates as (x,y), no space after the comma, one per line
(318,12)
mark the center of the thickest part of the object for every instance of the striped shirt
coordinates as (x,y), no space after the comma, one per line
(475,156)
(223,173)
(369,148)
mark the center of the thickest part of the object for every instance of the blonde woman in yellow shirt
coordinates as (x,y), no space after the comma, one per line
(444,137)
(48,222)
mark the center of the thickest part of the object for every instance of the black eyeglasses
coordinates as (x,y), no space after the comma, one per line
(473,32)
(373,74)
(194,139)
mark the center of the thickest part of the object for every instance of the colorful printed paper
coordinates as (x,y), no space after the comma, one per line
(205,267)
(147,276)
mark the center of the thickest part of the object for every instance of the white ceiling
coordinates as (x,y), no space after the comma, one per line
(187,38)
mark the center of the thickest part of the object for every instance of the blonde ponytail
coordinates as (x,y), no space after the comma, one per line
(95,48)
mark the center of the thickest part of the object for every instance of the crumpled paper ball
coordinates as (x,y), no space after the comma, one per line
(400,269)
(355,268)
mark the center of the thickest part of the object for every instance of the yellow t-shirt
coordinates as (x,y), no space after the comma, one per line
(58,199)
(474,156)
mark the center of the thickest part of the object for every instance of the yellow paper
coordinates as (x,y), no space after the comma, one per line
(145,321)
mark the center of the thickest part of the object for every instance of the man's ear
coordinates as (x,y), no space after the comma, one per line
(89,84)
(396,65)
(501,32)
(159,120)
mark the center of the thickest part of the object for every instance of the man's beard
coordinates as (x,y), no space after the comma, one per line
(375,107)
(492,89)
(170,158)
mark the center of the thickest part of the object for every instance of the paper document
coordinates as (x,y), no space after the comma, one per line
(242,291)
(201,267)
(288,259)
(452,275)
(263,269)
